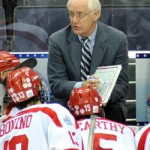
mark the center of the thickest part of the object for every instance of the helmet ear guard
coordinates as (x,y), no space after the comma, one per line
(85,101)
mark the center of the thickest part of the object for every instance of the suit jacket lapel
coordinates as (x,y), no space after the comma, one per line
(74,50)
(98,54)
(99,49)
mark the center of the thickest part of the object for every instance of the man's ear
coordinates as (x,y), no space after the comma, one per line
(96,15)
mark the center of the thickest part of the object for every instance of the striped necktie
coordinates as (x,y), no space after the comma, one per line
(85,59)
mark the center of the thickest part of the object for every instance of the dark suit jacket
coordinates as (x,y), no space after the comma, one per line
(65,55)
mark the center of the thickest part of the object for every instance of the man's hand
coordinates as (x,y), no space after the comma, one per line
(93,81)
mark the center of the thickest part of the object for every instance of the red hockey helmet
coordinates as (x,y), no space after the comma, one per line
(85,101)
(7,63)
(23,83)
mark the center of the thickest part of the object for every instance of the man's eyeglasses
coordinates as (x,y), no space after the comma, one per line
(78,15)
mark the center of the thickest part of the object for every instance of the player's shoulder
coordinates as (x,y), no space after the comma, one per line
(46,108)
(41,106)
(61,113)
(57,107)
(143,129)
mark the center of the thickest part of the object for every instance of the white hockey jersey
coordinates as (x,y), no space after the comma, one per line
(108,135)
(43,126)
(142,138)
(11,109)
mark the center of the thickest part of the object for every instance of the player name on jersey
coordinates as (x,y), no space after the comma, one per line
(20,122)
(102,124)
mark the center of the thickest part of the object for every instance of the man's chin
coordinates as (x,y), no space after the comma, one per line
(76,31)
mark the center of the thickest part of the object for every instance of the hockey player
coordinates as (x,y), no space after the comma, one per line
(108,134)
(37,126)
(7,63)
(142,138)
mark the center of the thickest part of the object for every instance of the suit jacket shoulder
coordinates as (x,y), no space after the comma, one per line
(109,31)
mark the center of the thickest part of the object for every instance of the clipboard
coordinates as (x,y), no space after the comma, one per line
(108,76)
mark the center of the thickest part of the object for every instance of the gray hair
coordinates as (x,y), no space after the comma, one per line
(92,4)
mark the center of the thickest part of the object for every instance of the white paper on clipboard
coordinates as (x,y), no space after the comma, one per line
(108,76)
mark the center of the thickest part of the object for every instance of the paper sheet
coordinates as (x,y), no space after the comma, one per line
(108,76)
